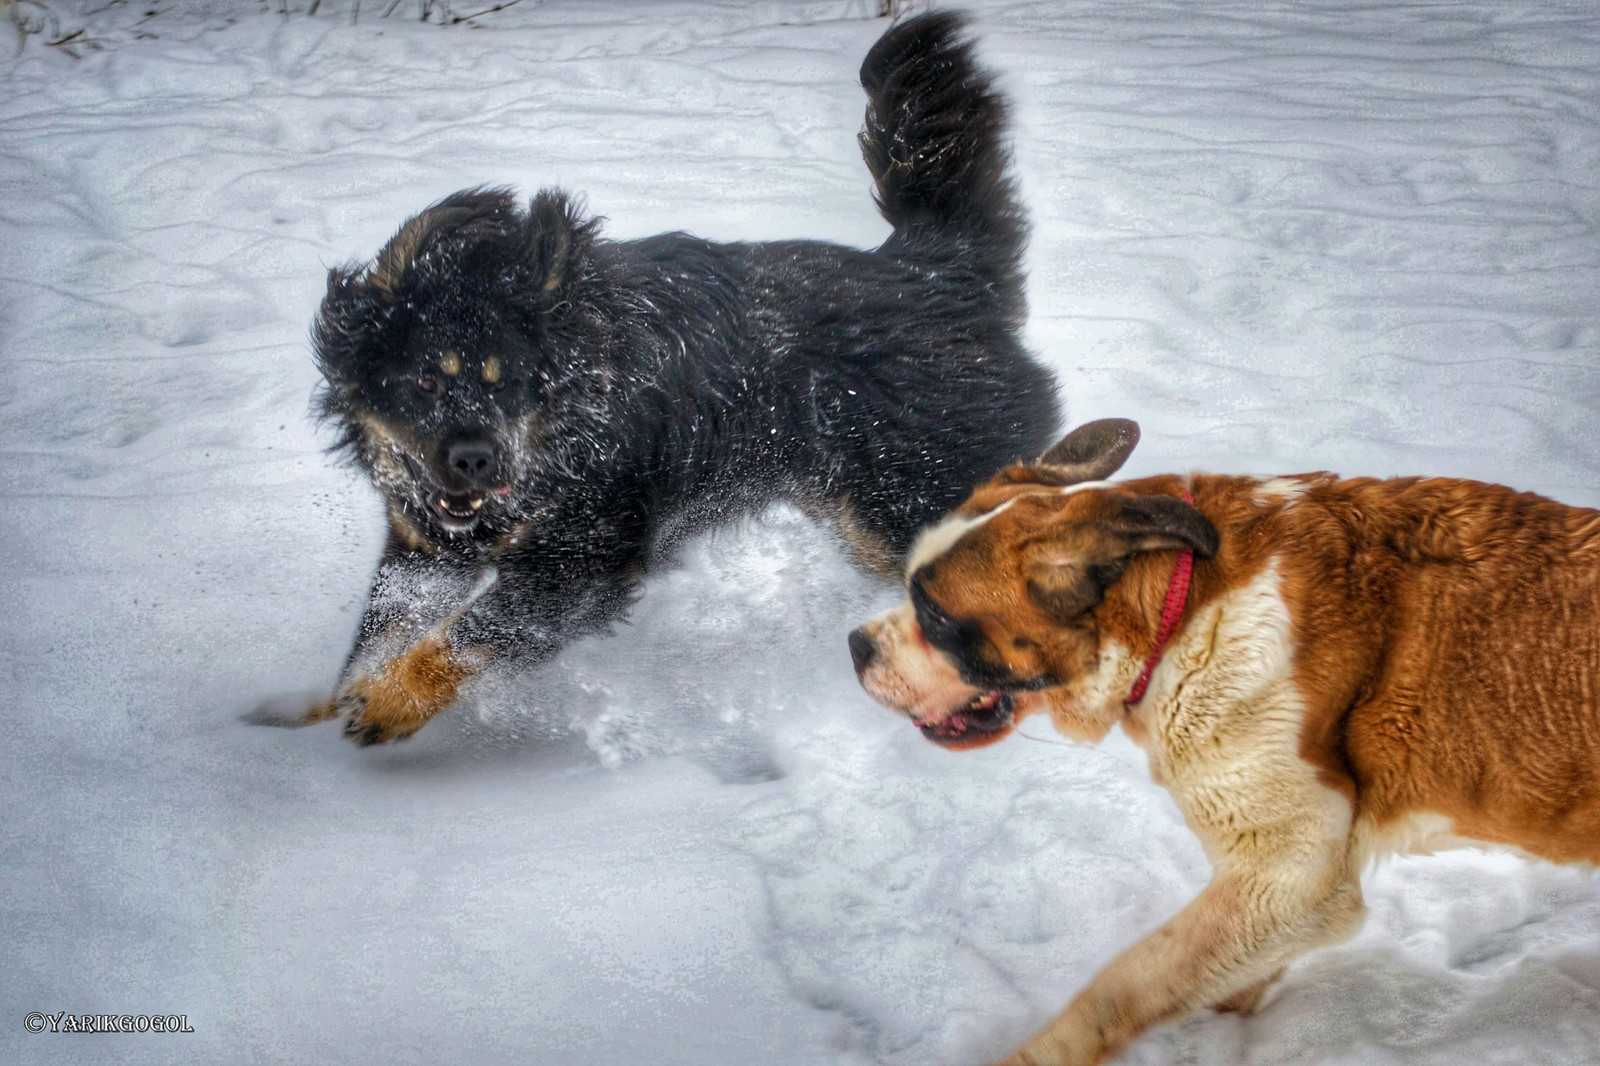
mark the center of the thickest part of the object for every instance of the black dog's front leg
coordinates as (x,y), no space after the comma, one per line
(414,596)
(412,593)
(524,607)
(403,670)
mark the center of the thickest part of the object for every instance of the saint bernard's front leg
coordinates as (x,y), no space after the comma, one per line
(1226,741)
(1235,935)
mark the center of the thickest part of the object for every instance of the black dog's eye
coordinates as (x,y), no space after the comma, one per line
(428,384)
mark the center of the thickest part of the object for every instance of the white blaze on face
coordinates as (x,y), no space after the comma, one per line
(942,536)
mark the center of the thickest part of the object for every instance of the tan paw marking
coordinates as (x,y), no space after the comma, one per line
(400,698)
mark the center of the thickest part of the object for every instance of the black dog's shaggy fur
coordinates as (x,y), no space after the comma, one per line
(545,411)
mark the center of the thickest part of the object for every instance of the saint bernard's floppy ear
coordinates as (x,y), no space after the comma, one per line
(1092,452)
(1069,573)
(1160,523)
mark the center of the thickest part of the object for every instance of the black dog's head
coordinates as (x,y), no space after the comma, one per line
(451,360)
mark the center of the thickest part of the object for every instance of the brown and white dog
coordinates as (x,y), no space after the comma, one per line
(1356,667)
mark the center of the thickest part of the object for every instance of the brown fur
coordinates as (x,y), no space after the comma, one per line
(869,550)
(1361,667)
(406,532)
(409,690)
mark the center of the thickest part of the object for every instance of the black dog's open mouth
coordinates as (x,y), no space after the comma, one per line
(974,722)
(455,510)
(456,506)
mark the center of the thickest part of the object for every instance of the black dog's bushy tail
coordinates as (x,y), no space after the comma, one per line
(934,142)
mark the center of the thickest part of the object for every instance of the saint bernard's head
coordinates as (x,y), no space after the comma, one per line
(1030,596)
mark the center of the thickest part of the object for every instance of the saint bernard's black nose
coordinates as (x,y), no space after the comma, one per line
(862,651)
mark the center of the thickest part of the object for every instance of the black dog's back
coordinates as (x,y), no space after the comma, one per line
(876,388)
(929,357)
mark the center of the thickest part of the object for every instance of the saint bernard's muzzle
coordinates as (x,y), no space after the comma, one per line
(901,669)
(944,672)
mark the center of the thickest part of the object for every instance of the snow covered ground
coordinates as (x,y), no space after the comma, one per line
(1283,234)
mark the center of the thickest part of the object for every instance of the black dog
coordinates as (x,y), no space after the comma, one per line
(547,412)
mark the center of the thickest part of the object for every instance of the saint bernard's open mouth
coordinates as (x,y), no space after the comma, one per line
(975,722)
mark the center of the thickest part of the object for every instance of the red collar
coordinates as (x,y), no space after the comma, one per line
(1177,595)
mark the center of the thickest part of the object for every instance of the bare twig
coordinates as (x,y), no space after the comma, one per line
(486,11)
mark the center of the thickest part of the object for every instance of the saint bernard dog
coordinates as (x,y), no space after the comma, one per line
(1321,670)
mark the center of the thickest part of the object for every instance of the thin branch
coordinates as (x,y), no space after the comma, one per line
(486,11)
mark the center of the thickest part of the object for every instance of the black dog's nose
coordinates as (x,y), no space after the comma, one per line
(472,460)
(862,651)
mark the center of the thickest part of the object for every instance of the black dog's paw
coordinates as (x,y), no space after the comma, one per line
(373,714)
(397,700)
(380,721)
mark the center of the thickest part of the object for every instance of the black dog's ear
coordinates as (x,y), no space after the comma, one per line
(465,218)
(1092,452)
(558,243)
(350,313)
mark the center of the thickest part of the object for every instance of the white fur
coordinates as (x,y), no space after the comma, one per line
(943,535)
(1223,718)
(1280,490)
(907,674)
(1416,833)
